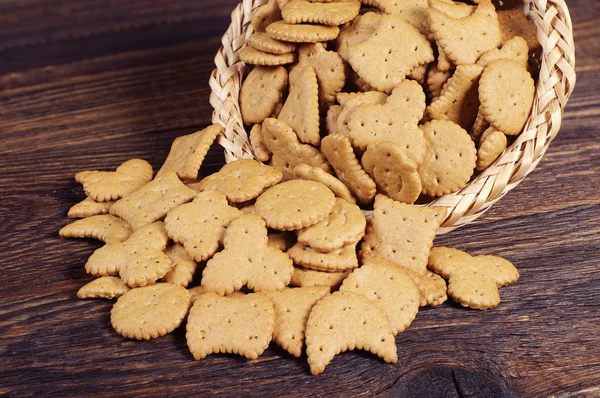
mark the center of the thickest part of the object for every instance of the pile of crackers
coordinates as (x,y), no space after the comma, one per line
(278,249)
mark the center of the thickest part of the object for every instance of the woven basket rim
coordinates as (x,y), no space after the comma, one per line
(556,82)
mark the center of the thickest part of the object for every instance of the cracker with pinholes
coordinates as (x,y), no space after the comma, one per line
(402,233)
(345,225)
(395,121)
(394,173)
(358,30)
(340,154)
(390,288)
(184,267)
(89,207)
(351,101)
(188,152)
(450,161)
(292,307)
(104,227)
(242,180)
(341,259)
(412,11)
(459,98)
(308,277)
(344,321)
(139,260)
(473,281)
(301,108)
(104,186)
(506,92)
(261,92)
(265,15)
(150,312)
(251,55)
(153,201)
(515,49)
(451,8)
(201,224)
(332,13)
(302,33)
(306,172)
(514,23)
(398,44)
(491,146)
(247,259)
(107,287)
(241,324)
(295,204)
(466,39)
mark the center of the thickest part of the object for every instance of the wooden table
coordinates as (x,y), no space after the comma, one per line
(88,85)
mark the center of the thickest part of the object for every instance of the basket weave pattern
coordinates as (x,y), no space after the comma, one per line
(555,84)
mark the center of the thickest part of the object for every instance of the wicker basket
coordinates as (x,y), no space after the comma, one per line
(555,84)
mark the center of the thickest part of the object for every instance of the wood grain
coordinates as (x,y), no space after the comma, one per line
(90,84)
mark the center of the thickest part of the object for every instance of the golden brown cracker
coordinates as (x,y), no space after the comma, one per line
(515,49)
(241,325)
(333,13)
(188,151)
(184,267)
(302,33)
(331,74)
(513,23)
(491,146)
(353,100)
(281,240)
(247,260)
(306,172)
(89,207)
(436,79)
(107,287)
(262,42)
(333,113)
(242,180)
(261,152)
(341,259)
(201,224)
(265,15)
(450,160)
(153,201)
(104,227)
(344,321)
(104,186)
(261,92)
(251,55)
(309,277)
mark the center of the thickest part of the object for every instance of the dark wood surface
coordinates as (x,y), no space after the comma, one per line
(87,85)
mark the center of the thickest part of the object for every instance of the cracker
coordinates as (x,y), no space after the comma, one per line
(402,233)
(354,100)
(345,225)
(309,277)
(301,33)
(261,91)
(357,83)
(395,121)
(295,204)
(333,113)
(104,186)
(247,259)
(104,227)
(515,23)
(450,161)
(287,150)
(242,180)
(261,152)
(479,126)
(107,287)
(464,40)
(436,79)
(301,108)
(515,49)
(401,47)
(139,260)
(265,15)
(412,11)
(188,152)
(330,13)
(338,150)
(200,225)
(262,42)
(184,267)
(344,321)
(390,288)
(153,201)
(241,325)
(491,146)
(419,73)
(306,172)
(451,8)
(357,31)
(89,207)
(198,290)
(330,70)
(151,311)
(281,240)
(394,173)
(341,259)
(306,49)
(443,63)
(251,55)
(292,307)
(432,287)
(459,99)
(473,281)
(506,112)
